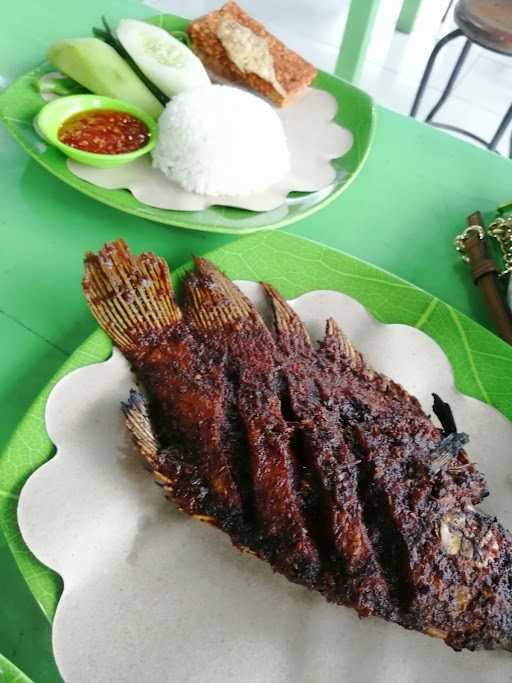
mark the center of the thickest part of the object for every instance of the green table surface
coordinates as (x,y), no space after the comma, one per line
(401,214)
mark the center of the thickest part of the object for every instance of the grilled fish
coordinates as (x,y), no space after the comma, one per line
(306,457)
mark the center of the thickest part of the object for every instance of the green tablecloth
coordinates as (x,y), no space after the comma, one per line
(401,213)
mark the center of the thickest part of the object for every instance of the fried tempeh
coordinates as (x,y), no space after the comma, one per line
(287,73)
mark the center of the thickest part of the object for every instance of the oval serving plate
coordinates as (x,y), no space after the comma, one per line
(20,103)
(122,549)
(480,361)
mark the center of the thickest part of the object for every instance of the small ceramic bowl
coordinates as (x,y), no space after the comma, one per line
(55,113)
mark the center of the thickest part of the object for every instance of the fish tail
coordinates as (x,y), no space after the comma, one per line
(212,301)
(130,296)
(289,328)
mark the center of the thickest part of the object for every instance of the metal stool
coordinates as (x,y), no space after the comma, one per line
(487,23)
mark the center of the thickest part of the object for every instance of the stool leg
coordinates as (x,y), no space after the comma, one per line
(447,12)
(453,77)
(501,129)
(428,69)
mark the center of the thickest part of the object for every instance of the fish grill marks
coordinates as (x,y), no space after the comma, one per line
(306,457)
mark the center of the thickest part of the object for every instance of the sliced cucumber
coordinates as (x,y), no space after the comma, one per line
(169,64)
(99,68)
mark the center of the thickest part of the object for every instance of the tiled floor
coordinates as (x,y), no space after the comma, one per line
(394,62)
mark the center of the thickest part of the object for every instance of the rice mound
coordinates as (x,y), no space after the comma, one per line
(219,140)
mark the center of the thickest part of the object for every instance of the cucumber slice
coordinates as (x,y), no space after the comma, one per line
(99,68)
(169,64)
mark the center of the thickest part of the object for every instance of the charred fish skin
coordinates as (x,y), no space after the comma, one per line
(443,592)
(227,319)
(189,389)
(354,577)
(473,563)
(374,399)
(133,300)
(170,468)
(306,457)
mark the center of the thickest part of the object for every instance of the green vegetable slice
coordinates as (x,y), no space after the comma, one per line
(108,36)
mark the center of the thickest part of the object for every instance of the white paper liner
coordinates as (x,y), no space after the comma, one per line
(314,139)
(151,595)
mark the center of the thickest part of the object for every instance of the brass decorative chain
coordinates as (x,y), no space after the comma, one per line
(460,240)
(501,230)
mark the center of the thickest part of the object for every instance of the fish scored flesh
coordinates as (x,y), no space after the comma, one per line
(304,455)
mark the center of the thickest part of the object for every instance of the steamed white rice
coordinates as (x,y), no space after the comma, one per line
(218,140)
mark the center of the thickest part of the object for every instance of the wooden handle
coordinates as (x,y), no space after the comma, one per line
(485,276)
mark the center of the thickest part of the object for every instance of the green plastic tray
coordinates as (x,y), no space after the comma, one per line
(20,103)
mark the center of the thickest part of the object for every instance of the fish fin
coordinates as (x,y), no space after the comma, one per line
(130,296)
(135,411)
(444,414)
(357,363)
(212,301)
(447,449)
(288,326)
(349,354)
(181,486)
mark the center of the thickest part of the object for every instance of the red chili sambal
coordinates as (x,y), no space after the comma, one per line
(104,131)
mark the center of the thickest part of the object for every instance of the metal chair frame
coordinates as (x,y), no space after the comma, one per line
(500,131)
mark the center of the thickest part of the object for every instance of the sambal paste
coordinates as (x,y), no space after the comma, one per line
(104,131)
